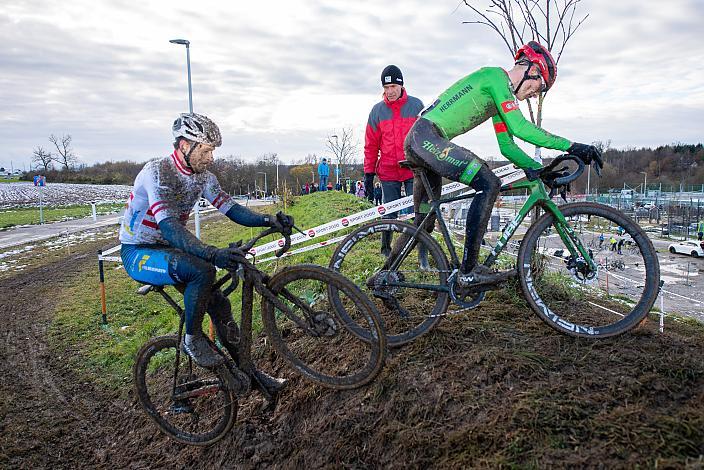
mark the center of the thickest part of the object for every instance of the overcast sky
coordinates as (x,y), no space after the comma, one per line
(280,76)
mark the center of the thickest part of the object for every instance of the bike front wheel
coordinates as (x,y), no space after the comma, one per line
(574,297)
(412,297)
(306,331)
(190,404)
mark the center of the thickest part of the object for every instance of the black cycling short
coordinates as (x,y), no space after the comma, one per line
(427,147)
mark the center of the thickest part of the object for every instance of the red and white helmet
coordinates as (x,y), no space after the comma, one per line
(197,128)
(540,56)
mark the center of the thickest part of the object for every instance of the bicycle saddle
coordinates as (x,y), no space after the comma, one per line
(407,164)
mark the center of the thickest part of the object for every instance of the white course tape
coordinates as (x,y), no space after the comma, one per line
(507,173)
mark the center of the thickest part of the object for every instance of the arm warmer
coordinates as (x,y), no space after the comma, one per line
(243,216)
(179,237)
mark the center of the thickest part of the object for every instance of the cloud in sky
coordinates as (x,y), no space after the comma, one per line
(279,76)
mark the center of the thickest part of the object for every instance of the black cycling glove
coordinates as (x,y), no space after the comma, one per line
(225,258)
(282,223)
(369,185)
(588,154)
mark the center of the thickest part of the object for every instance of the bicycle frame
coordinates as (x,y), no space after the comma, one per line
(538,196)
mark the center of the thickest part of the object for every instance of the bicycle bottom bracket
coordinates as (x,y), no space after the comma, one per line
(464,297)
(324,324)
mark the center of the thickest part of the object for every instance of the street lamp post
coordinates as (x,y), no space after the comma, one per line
(337,162)
(187,43)
(266,188)
(645,183)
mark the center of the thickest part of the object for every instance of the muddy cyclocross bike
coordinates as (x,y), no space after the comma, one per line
(198,406)
(558,274)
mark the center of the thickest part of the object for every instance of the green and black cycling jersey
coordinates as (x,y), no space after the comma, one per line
(487,93)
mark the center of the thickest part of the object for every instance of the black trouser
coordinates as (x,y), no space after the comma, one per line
(425,146)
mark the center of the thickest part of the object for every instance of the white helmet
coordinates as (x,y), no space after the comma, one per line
(197,128)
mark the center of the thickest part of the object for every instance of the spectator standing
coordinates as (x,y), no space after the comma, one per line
(323,173)
(360,190)
(621,241)
(377,194)
(389,122)
(612,242)
(601,240)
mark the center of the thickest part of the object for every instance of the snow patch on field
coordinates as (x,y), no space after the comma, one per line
(60,194)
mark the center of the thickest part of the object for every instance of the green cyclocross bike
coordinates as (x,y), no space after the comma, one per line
(558,272)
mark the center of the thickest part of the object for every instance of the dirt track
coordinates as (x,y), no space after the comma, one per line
(50,418)
(492,388)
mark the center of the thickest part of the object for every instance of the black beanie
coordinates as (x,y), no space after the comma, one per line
(391,75)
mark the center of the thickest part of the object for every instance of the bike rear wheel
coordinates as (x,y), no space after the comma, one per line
(578,300)
(201,409)
(306,331)
(408,312)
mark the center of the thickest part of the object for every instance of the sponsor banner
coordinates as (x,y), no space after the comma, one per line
(314,246)
(508,174)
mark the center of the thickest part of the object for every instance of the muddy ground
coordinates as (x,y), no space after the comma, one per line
(492,388)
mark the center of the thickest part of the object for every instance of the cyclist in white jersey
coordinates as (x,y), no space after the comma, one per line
(158,249)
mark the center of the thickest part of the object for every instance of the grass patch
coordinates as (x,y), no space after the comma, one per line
(30,215)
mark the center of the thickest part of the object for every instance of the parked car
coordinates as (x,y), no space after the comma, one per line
(688,248)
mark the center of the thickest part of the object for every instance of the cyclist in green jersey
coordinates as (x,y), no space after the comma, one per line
(490,92)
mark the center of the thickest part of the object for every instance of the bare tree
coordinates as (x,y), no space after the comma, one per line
(65,156)
(550,22)
(344,146)
(42,158)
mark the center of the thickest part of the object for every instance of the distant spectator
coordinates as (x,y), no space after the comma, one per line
(329,186)
(360,190)
(601,240)
(621,241)
(377,194)
(612,242)
(352,187)
(323,173)
(313,188)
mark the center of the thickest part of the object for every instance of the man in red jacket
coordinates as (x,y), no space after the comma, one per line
(389,122)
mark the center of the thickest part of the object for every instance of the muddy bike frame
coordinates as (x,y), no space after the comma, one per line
(538,196)
(252,279)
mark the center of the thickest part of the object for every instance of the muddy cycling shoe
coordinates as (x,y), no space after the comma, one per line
(200,350)
(272,385)
(482,276)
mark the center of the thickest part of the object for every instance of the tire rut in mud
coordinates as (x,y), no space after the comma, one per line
(49,418)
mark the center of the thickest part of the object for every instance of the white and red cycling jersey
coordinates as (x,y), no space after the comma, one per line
(165,188)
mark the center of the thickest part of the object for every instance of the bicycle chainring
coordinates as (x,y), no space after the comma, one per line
(236,380)
(464,297)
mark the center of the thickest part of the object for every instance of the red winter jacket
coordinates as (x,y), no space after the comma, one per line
(388,124)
